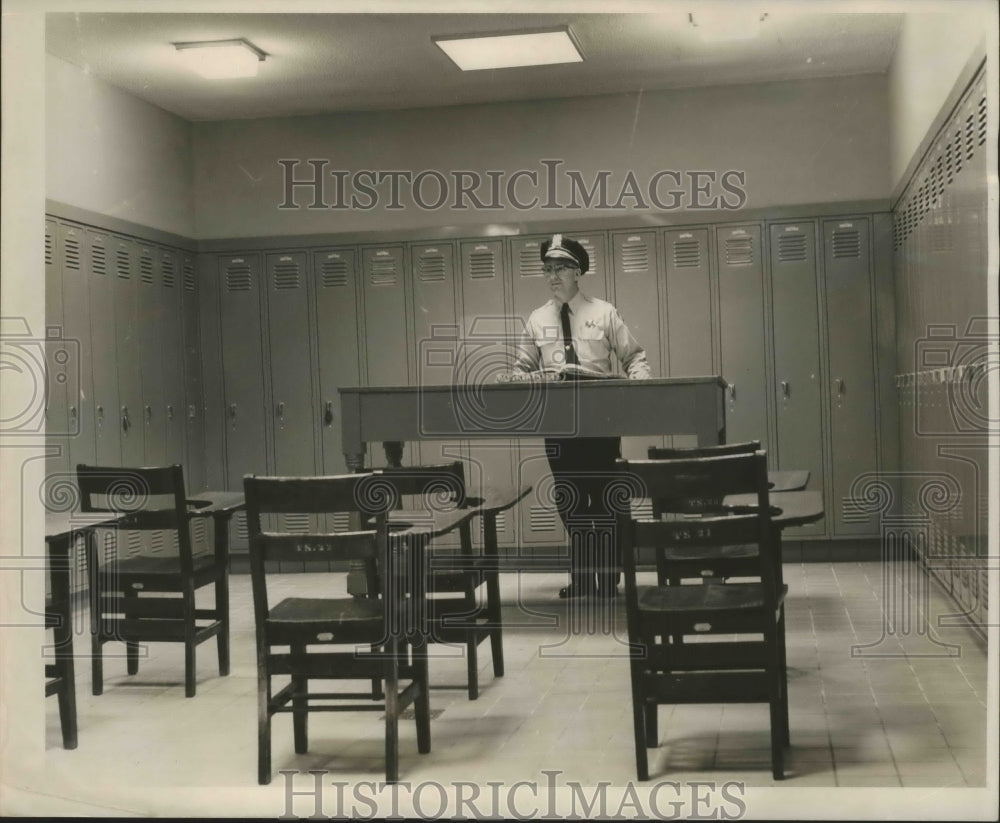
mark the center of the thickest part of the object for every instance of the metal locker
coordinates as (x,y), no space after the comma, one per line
(171,412)
(61,364)
(193,409)
(638,294)
(483,353)
(799,414)
(334,273)
(689,308)
(849,350)
(128,346)
(215,419)
(101,350)
(741,332)
(242,367)
(150,322)
(385,330)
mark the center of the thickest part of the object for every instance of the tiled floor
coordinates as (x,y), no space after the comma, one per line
(903,713)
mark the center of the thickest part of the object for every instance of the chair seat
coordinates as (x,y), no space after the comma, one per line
(348,610)
(171,564)
(740,552)
(708,597)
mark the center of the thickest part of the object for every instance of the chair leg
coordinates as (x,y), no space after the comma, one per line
(222,615)
(651,710)
(131,646)
(189,667)
(67,710)
(775,704)
(263,726)
(472,663)
(496,630)
(96,621)
(300,707)
(639,726)
(391,678)
(783,674)
(422,703)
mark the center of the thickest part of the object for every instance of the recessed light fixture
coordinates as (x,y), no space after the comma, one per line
(730,23)
(222,59)
(540,47)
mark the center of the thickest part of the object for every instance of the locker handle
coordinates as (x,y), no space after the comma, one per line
(785,391)
(232,411)
(840,385)
(328,413)
(149,414)
(126,423)
(192,412)
(170,412)
(73,412)
(732,391)
(280,411)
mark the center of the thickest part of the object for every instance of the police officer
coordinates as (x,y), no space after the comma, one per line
(575,334)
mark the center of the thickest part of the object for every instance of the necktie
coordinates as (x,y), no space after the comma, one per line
(571,358)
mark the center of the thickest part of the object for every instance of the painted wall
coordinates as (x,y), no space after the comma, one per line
(933,49)
(797,142)
(114,154)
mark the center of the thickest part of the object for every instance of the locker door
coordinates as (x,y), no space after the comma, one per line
(741,325)
(385,328)
(435,331)
(798,392)
(129,350)
(484,328)
(638,293)
(242,367)
(171,412)
(850,349)
(59,359)
(193,410)
(689,308)
(95,329)
(150,322)
(335,286)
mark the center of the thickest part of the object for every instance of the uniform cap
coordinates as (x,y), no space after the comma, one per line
(566,249)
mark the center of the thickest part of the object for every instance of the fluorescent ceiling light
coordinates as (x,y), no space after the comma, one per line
(222,59)
(730,23)
(504,51)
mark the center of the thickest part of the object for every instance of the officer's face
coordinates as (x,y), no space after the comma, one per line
(564,277)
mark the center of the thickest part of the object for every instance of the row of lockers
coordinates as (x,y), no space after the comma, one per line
(940,272)
(784,311)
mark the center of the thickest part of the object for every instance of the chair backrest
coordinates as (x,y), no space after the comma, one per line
(154,499)
(368,495)
(694,504)
(700,478)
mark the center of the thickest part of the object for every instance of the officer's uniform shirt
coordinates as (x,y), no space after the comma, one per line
(597,329)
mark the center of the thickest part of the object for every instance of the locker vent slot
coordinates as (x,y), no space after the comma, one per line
(200,534)
(98,260)
(133,544)
(238,278)
(482,265)
(791,248)
(543,519)
(72,253)
(384,273)
(169,279)
(241,529)
(146,269)
(970,136)
(854,510)
(49,250)
(529,261)
(981,116)
(501,526)
(642,510)
(333,273)
(156,542)
(122,261)
(687,253)
(189,279)
(739,251)
(431,268)
(286,276)
(297,523)
(341,522)
(635,258)
(846,243)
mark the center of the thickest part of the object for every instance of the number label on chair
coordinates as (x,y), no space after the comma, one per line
(703,627)
(324,637)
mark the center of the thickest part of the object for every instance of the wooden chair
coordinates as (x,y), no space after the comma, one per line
(350,638)
(716,563)
(60,676)
(668,663)
(121,607)
(457,615)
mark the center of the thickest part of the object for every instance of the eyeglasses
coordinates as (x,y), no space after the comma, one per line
(559,268)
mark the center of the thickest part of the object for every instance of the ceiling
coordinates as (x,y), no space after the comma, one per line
(354,62)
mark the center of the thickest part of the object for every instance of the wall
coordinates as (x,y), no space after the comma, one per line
(114,154)
(933,50)
(799,142)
